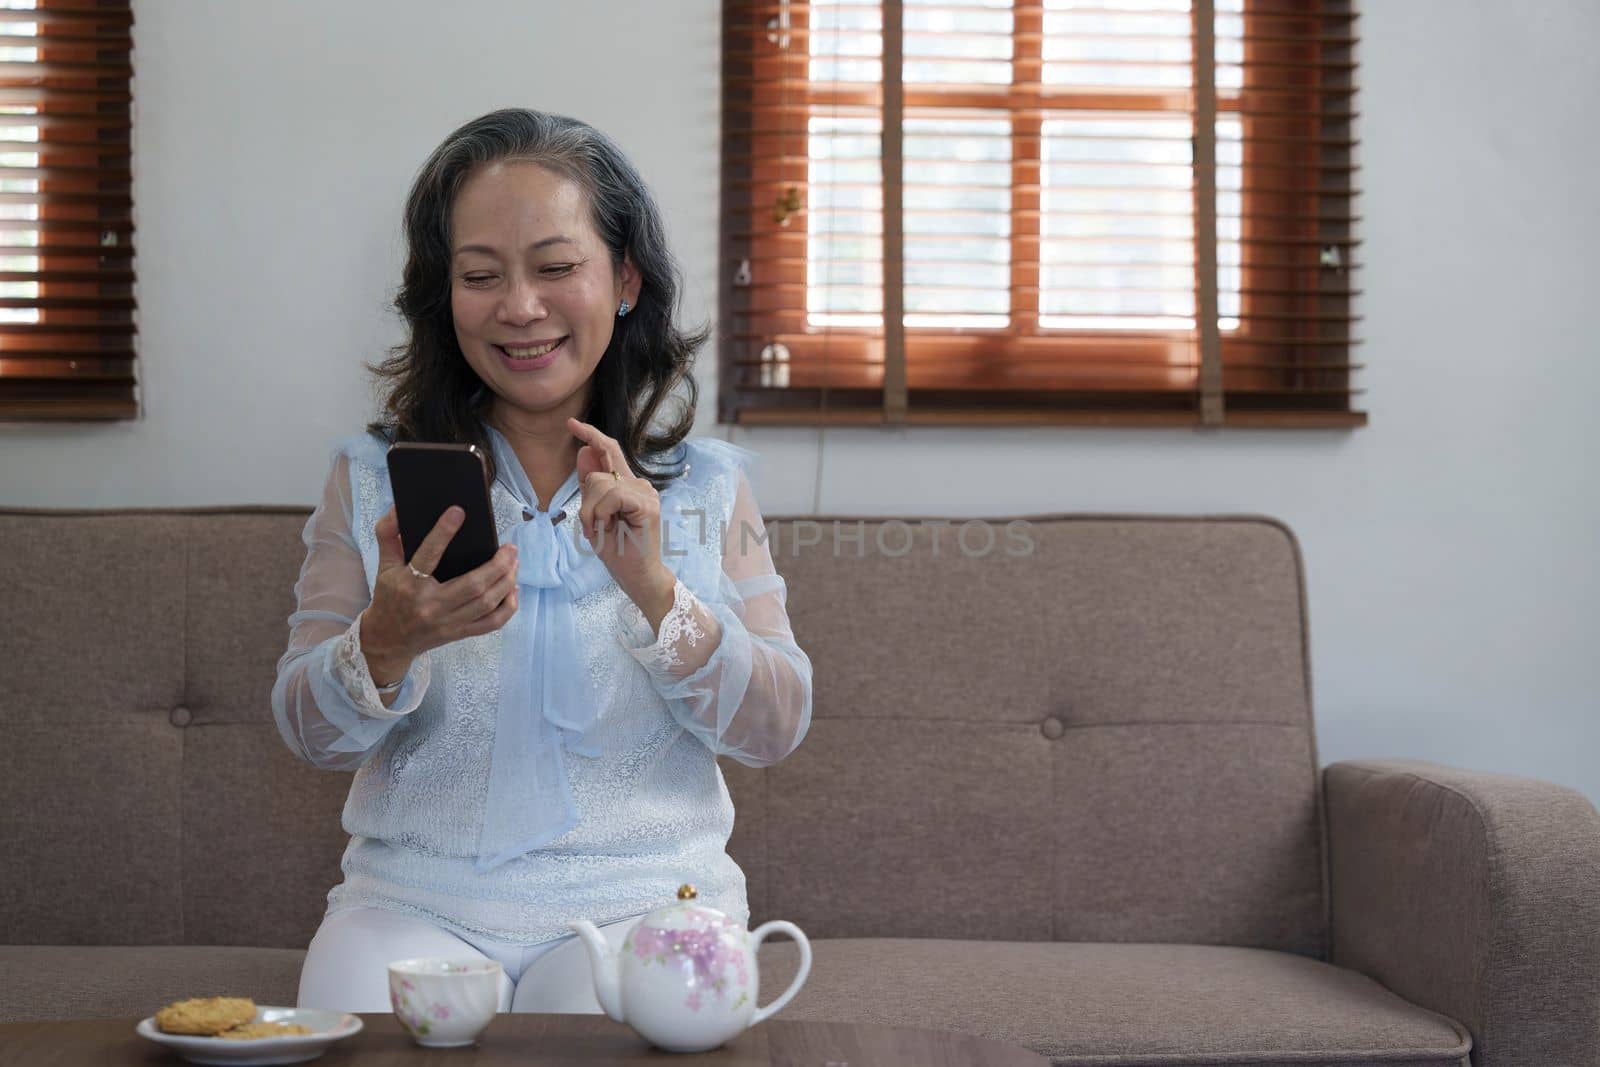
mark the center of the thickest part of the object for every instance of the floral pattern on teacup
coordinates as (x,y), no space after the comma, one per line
(408,1016)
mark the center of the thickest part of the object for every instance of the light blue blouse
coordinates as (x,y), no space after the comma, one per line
(565,765)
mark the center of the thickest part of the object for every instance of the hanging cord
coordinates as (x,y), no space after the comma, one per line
(816,482)
(827,331)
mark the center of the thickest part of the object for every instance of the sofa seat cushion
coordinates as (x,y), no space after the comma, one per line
(1102,1004)
(1124,1004)
(95,982)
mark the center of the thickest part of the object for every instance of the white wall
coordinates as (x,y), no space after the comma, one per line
(1449,544)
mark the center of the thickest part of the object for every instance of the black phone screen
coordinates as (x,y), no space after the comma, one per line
(426,480)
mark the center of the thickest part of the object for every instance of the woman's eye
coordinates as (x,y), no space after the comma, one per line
(555,270)
(478,279)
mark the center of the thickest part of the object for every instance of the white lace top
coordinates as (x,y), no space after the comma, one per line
(617,798)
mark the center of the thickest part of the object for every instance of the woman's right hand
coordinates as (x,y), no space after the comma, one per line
(410,615)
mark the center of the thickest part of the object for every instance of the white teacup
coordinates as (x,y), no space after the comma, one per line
(445,1003)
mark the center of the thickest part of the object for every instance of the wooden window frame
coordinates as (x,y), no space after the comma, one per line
(1294,308)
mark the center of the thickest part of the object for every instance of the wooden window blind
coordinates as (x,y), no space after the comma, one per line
(1119,212)
(66,210)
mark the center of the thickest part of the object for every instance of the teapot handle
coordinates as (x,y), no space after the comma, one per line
(758,935)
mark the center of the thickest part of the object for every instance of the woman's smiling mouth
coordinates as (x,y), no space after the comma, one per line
(530,357)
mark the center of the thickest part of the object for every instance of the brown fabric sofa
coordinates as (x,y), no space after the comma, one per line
(1070,799)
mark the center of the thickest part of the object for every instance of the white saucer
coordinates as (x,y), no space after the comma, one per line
(326,1027)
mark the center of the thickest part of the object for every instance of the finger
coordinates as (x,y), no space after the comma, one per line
(486,602)
(594,489)
(494,620)
(606,446)
(391,552)
(593,458)
(431,551)
(630,514)
(602,505)
(464,588)
(590,461)
(598,482)
(617,505)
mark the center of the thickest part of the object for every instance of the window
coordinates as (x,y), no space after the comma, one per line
(66,210)
(1092,211)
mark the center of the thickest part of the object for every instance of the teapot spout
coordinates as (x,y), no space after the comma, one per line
(603,962)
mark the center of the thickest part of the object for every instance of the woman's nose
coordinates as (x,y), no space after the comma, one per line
(523,302)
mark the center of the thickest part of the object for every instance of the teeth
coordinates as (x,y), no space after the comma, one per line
(530,353)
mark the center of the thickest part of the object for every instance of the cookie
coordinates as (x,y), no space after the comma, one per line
(252,1031)
(206,1016)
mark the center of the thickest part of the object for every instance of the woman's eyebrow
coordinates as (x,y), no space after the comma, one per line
(486,250)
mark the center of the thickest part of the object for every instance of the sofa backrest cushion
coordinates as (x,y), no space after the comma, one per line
(1098,729)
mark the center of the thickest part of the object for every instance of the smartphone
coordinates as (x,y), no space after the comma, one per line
(426,479)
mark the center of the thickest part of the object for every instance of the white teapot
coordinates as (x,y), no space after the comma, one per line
(687,979)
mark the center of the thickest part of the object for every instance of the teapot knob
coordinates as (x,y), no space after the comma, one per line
(687,892)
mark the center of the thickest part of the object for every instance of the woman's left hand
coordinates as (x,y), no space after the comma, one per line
(621,517)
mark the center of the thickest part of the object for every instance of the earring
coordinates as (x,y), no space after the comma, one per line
(624,309)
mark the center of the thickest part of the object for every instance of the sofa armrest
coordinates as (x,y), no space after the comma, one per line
(1474,895)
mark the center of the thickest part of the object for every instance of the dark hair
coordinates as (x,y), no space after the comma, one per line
(433,394)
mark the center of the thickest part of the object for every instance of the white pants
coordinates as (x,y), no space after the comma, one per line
(347,964)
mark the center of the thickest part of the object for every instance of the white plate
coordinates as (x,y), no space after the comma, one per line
(326,1027)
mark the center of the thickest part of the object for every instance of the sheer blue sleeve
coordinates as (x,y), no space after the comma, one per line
(324,701)
(728,666)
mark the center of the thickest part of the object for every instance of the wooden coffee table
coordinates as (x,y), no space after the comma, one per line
(550,1041)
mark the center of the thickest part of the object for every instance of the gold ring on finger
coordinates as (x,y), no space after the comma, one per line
(416,572)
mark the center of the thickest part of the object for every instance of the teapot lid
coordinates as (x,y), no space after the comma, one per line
(688,913)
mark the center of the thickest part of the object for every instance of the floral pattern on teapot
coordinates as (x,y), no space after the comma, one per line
(711,944)
(703,992)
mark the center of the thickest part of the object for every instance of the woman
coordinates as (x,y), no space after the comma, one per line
(536,740)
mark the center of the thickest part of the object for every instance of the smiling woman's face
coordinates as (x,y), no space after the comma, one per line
(528,272)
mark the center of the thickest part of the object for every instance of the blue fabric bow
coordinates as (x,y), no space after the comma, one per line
(547,704)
